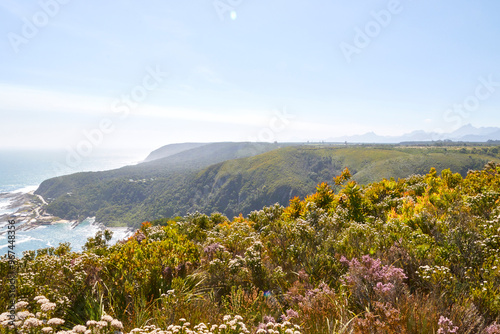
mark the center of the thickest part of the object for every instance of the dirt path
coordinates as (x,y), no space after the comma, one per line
(43,201)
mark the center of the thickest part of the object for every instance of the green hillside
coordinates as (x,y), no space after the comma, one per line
(175,165)
(242,185)
(120,196)
(209,179)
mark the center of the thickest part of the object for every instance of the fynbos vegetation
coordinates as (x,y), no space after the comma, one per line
(415,255)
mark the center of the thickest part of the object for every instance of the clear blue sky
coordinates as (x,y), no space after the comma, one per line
(227,71)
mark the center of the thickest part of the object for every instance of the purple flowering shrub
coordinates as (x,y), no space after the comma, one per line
(368,281)
(493,329)
(446,326)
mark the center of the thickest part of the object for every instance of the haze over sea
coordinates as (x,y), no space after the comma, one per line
(23,171)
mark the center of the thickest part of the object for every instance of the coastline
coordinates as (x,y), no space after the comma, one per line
(30,212)
(35,228)
(32,221)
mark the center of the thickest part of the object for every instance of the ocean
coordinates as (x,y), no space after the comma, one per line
(23,171)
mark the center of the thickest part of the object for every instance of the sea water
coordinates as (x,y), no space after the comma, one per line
(51,235)
(23,171)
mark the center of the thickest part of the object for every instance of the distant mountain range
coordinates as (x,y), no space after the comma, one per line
(466,133)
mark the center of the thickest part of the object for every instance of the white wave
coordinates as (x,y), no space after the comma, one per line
(5,204)
(4,207)
(22,241)
(24,190)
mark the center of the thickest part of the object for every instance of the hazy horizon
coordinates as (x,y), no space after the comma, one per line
(76,76)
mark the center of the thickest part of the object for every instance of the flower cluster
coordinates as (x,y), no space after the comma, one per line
(230,325)
(493,329)
(446,326)
(41,323)
(273,327)
(27,322)
(369,280)
(106,325)
(436,275)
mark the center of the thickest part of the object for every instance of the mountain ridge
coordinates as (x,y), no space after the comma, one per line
(466,133)
(171,149)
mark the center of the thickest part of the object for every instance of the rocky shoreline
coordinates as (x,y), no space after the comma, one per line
(30,212)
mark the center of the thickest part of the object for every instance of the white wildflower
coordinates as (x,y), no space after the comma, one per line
(4,316)
(24,314)
(117,324)
(47,329)
(79,329)
(43,301)
(107,318)
(55,321)
(48,307)
(20,305)
(101,324)
(32,322)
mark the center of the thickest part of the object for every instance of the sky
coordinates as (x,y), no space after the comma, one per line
(85,75)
